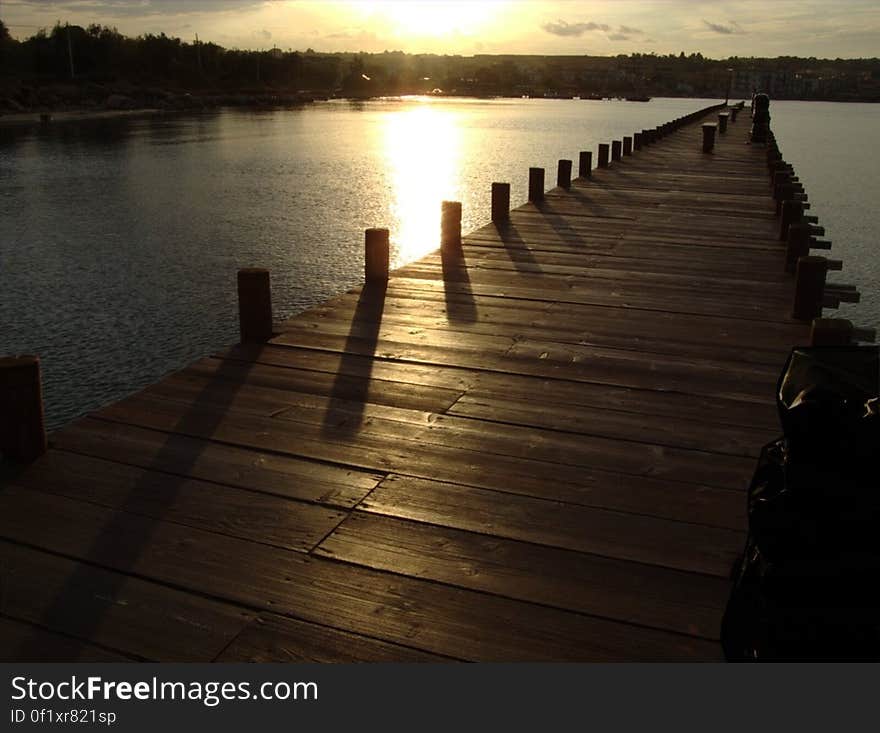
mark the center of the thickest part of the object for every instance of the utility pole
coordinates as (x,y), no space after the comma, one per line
(69,51)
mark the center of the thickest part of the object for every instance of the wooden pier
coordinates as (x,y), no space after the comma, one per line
(533,444)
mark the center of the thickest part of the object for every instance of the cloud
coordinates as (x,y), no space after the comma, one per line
(618,37)
(725,30)
(566,29)
(630,30)
(264,34)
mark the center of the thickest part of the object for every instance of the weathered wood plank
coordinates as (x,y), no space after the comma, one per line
(639,538)
(648,595)
(270,638)
(250,515)
(110,608)
(435,618)
(253,469)
(21,642)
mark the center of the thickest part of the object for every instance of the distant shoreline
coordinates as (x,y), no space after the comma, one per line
(34,117)
(23,119)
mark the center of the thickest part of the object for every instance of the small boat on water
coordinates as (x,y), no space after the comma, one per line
(638,99)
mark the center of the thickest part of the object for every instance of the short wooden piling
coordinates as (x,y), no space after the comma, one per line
(602,159)
(615,150)
(831,332)
(809,288)
(709,136)
(254,305)
(792,211)
(450,225)
(733,112)
(563,174)
(627,145)
(585,163)
(637,141)
(722,122)
(500,202)
(536,184)
(377,249)
(22,425)
(797,246)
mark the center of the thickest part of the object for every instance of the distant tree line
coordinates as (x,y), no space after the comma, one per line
(102,57)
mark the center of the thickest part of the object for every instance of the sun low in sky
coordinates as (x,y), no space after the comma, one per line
(846,28)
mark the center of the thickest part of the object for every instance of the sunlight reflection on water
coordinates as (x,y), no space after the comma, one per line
(423,147)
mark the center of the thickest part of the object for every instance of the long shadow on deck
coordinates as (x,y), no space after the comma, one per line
(517,250)
(345,411)
(122,539)
(457,292)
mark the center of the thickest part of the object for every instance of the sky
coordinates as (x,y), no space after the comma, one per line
(718,29)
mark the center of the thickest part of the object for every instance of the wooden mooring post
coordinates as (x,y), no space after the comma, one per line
(500,202)
(536,184)
(450,225)
(615,150)
(585,163)
(602,158)
(709,136)
(22,425)
(254,305)
(627,145)
(377,253)
(563,174)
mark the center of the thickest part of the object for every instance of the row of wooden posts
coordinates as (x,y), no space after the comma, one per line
(22,428)
(800,232)
(711,128)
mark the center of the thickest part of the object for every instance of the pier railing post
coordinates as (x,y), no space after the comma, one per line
(500,202)
(722,122)
(450,225)
(792,212)
(637,141)
(709,136)
(627,145)
(602,159)
(377,254)
(733,113)
(563,174)
(22,426)
(809,288)
(615,150)
(831,332)
(585,163)
(536,184)
(254,305)
(798,245)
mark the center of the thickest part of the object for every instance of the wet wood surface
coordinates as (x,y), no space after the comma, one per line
(534,448)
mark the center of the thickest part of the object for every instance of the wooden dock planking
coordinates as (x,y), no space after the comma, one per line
(533,450)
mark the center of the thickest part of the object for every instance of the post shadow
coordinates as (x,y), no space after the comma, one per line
(457,292)
(351,385)
(124,540)
(555,219)
(521,257)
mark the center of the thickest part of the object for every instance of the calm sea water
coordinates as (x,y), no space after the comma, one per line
(120,240)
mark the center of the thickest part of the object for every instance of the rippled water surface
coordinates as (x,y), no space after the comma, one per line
(119,240)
